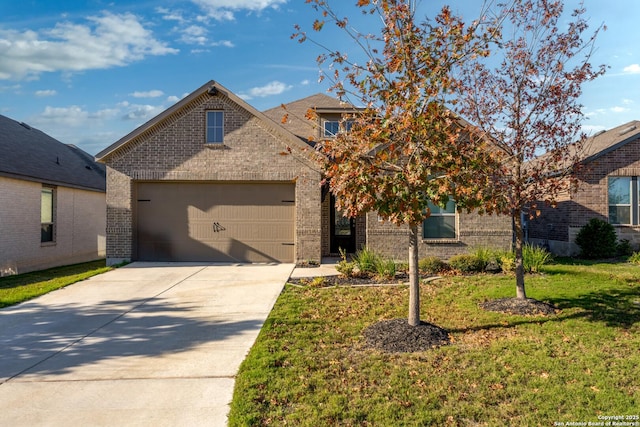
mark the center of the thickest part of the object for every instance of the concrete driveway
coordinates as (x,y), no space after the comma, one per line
(149,344)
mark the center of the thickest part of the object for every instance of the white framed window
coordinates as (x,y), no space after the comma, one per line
(624,198)
(442,222)
(332,128)
(47,214)
(215,127)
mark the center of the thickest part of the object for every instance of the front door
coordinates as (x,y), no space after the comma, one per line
(343,231)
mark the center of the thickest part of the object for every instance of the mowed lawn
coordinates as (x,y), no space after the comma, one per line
(23,287)
(309,366)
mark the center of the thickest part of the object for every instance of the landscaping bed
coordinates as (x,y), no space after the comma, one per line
(314,363)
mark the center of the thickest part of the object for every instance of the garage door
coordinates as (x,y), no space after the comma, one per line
(185,221)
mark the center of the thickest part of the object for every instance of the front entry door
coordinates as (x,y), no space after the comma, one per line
(343,231)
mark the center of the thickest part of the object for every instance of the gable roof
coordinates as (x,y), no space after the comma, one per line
(296,121)
(32,155)
(607,141)
(213,89)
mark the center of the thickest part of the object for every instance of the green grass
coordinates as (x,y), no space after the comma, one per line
(309,366)
(22,287)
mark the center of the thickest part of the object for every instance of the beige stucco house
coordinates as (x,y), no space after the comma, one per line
(52,201)
(213,179)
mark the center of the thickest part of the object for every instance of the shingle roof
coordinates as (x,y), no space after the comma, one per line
(606,141)
(30,154)
(295,111)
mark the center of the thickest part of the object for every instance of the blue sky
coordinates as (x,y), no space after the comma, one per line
(88,72)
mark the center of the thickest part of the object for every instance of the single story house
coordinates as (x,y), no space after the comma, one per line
(52,201)
(608,189)
(213,179)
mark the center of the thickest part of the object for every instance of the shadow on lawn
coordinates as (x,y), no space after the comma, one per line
(615,308)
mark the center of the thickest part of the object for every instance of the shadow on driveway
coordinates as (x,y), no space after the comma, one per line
(79,336)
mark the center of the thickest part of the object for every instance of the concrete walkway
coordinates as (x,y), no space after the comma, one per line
(148,344)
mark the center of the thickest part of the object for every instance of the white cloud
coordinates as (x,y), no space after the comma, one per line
(224,43)
(305,82)
(632,69)
(194,34)
(68,116)
(619,109)
(149,94)
(273,88)
(43,93)
(142,112)
(223,10)
(170,15)
(591,130)
(107,41)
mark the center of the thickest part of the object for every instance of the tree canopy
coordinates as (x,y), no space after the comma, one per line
(527,97)
(405,147)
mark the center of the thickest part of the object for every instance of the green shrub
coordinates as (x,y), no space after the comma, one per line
(597,239)
(318,282)
(635,258)
(345,266)
(402,266)
(466,263)
(366,260)
(484,255)
(534,257)
(432,265)
(507,262)
(624,248)
(386,268)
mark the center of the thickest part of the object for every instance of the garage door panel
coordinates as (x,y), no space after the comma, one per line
(215,222)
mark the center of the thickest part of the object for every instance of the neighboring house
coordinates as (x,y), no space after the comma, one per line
(608,188)
(52,201)
(213,179)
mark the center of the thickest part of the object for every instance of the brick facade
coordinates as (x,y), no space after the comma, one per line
(174,150)
(472,231)
(257,149)
(79,227)
(557,227)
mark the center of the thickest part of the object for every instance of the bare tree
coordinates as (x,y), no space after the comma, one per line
(526,97)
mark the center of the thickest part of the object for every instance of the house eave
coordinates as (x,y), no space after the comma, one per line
(50,182)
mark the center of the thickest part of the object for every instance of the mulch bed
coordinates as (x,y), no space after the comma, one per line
(397,336)
(342,280)
(523,307)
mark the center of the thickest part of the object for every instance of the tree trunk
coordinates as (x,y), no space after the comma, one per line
(414,282)
(519,237)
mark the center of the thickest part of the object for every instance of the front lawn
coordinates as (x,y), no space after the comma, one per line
(22,287)
(309,366)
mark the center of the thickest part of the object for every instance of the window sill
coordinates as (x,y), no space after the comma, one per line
(47,244)
(216,146)
(440,241)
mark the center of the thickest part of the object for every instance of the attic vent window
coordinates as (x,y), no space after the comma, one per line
(333,127)
(215,127)
(627,130)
